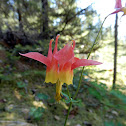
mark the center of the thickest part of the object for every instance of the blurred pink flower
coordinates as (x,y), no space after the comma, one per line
(118,4)
(123,9)
(119,8)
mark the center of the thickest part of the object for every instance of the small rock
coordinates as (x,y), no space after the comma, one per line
(39,104)
(26,81)
(3,100)
(115,113)
(1,61)
(9,108)
(57,117)
(90,111)
(25,110)
(68,123)
(109,116)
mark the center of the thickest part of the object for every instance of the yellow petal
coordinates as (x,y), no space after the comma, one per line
(66,76)
(51,76)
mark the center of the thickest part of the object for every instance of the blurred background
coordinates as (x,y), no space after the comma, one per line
(28,25)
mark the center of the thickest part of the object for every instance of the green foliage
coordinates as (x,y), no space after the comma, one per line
(65,95)
(68,100)
(42,96)
(99,90)
(101,93)
(6,74)
(36,113)
(113,124)
(63,17)
(119,95)
(34,73)
(11,57)
(21,84)
(95,93)
(4,77)
(19,48)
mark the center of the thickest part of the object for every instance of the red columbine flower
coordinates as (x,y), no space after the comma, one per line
(66,65)
(119,8)
(60,64)
(118,4)
(49,61)
(123,9)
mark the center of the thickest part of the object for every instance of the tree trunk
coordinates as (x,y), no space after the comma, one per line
(19,15)
(115,54)
(20,20)
(45,31)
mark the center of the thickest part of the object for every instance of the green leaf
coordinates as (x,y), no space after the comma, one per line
(75,101)
(95,93)
(20,84)
(65,95)
(36,113)
(52,100)
(42,96)
(67,101)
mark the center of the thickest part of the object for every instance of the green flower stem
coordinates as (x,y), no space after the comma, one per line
(69,106)
(82,74)
(87,58)
(68,113)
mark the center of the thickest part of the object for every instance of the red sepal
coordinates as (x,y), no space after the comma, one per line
(37,56)
(84,62)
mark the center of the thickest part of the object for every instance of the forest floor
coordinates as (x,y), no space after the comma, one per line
(25,100)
